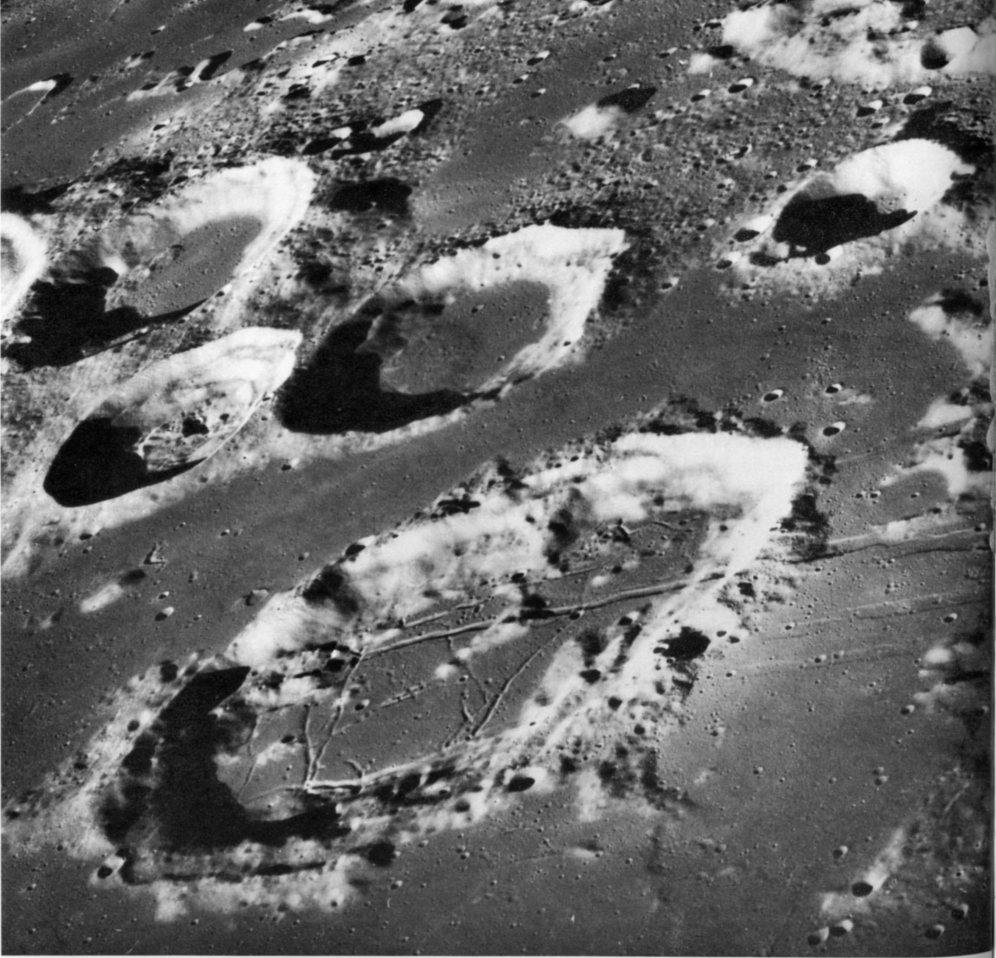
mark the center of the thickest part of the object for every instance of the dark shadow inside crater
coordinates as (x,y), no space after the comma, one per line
(957,302)
(97,463)
(191,808)
(687,645)
(630,100)
(362,139)
(170,792)
(68,321)
(24,201)
(933,56)
(340,390)
(814,224)
(387,195)
(359,142)
(957,129)
(68,318)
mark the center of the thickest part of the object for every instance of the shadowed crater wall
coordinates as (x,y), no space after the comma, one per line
(68,321)
(340,390)
(98,462)
(813,224)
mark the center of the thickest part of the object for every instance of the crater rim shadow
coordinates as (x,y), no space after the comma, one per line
(339,390)
(96,463)
(811,225)
(383,195)
(69,321)
(189,808)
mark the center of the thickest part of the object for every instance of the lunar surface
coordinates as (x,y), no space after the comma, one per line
(497,477)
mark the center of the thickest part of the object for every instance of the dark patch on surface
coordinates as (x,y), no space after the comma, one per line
(331,586)
(563,527)
(933,56)
(315,147)
(169,798)
(630,100)
(978,458)
(363,140)
(139,760)
(68,321)
(455,506)
(190,808)
(687,645)
(123,810)
(381,854)
(813,224)
(959,129)
(64,318)
(340,391)
(193,426)
(168,671)
(455,18)
(97,462)
(383,196)
(521,783)
(147,177)
(959,302)
(723,51)
(214,64)
(26,201)
(745,233)
(359,142)
(808,520)
(431,109)
(593,643)
(62,81)
(298,92)
(535,607)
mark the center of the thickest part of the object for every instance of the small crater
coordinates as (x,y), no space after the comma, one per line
(933,56)
(382,854)
(455,18)
(818,937)
(812,223)
(381,196)
(687,645)
(630,100)
(842,928)
(741,86)
(213,65)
